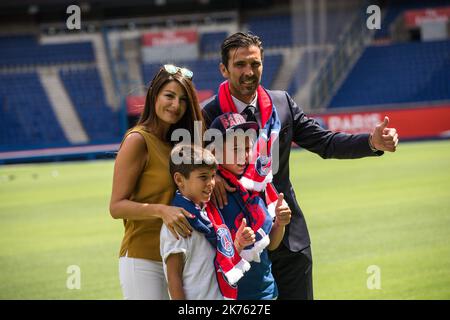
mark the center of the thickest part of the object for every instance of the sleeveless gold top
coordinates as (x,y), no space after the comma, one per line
(154,186)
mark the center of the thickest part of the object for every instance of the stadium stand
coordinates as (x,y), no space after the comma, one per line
(25,50)
(397,73)
(275,30)
(207,75)
(309,58)
(394,9)
(387,73)
(210,42)
(272,64)
(203,77)
(26,118)
(85,89)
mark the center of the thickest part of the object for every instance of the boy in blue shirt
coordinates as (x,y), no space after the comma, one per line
(264,210)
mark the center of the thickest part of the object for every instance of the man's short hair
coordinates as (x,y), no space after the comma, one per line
(185,158)
(239,40)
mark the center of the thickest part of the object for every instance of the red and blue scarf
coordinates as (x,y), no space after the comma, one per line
(230,267)
(251,206)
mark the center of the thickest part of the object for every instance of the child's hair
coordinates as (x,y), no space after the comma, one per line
(185,158)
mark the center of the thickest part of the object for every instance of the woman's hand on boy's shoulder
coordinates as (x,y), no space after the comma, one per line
(175,220)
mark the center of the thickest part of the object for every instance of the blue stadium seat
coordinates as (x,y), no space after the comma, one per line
(396,8)
(207,75)
(26,117)
(274,30)
(25,50)
(309,58)
(86,92)
(272,64)
(210,42)
(277,30)
(399,73)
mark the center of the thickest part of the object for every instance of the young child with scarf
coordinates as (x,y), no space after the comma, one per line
(247,167)
(206,265)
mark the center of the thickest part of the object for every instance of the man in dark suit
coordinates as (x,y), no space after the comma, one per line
(242,65)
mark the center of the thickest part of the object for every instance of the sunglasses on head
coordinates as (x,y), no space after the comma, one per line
(170,68)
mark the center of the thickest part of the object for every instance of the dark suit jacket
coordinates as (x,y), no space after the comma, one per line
(305,132)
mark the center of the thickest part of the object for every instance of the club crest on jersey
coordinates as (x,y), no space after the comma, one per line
(263,165)
(224,242)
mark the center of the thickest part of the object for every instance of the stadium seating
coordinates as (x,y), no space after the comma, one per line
(272,64)
(25,50)
(336,21)
(207,75)
(26,117)
(388,74)
(396,8)
(210,41)
(301,73)
(398,73)
(276,30)
(86,92)
(206,72)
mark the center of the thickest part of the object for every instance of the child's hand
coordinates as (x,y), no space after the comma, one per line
(245,236)
(282,212)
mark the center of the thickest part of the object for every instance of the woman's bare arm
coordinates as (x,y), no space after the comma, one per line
(130,163)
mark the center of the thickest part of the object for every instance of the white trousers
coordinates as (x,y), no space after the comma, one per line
(142,279)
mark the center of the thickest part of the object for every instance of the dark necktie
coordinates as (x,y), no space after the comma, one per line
(249,113)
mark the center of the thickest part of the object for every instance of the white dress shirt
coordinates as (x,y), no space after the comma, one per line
(240,106)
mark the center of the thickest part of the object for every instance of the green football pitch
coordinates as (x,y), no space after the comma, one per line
(380,227)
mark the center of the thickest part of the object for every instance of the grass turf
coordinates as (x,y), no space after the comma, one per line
(392,212)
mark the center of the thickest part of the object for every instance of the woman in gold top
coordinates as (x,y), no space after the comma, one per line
(142,186)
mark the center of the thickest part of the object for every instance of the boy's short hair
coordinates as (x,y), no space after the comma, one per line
(185,158)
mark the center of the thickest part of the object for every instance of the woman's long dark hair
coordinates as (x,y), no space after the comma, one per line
(149,118)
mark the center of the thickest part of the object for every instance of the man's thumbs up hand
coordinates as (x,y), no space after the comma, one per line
(383,138)
(282,211)
(384,123)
